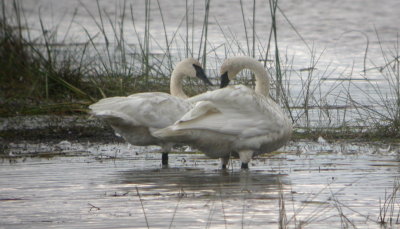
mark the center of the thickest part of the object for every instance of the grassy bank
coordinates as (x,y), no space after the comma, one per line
(40,75)
(43,73)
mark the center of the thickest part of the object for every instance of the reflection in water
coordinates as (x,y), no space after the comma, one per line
(77,190)
(199,181)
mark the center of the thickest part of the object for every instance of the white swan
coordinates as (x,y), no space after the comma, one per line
(134,117)
(233,119)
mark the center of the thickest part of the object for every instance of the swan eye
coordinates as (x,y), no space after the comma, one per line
(224,80)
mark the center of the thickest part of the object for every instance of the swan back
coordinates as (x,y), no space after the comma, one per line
(232,66)
(135,116)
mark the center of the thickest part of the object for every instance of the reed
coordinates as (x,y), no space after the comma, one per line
(31,71)
(389,212)
(141,204)
(384,116)
(273,4)
(282,220)
(204,33)
(55,70)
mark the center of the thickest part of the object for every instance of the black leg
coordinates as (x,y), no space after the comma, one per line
(224,162)
(245,165)
(164,159)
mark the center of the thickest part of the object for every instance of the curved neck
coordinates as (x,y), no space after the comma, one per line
(176,85)
(262,80)
(261,75)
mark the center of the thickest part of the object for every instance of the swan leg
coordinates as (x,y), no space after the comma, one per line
(224,162)
(164,158)
(245,158)
(165,149)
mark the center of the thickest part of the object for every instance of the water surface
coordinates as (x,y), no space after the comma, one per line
(95,185)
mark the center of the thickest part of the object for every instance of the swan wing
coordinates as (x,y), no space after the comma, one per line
(154,110)
(237,111)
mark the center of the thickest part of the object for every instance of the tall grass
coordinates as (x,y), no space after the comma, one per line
(389,212)
(384,116)
(273,4)
(52,69)
(31,68)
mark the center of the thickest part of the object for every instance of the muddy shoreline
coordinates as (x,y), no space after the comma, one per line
(55,133)
(55,128)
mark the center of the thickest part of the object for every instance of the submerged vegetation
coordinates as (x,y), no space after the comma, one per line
(44,73)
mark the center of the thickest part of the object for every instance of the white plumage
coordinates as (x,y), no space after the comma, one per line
(233,119)
(134,117)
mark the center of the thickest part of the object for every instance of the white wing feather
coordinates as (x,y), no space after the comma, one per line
(235,110)
(154,110)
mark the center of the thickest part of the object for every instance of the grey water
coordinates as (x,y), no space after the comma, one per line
(114,185)
(339,29)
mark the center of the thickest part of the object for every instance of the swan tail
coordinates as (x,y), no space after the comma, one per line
(106,104)
(113,111)
(113,118)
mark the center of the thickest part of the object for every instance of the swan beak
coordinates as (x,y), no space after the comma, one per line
(224,80)
(202,75)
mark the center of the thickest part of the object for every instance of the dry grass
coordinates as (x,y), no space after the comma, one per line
(46,74)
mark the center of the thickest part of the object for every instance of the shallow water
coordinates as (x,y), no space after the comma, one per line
(95,185)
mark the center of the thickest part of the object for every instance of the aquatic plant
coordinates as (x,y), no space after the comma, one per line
(384,115)
(32,73)
(389,211)
(45,72)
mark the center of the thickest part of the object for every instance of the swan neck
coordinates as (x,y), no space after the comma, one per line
(262,82)
(176,85)
(261,76)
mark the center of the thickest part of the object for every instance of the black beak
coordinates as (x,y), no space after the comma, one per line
(201,75)
(224,80)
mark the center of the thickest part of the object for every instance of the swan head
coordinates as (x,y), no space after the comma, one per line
(192,67)
(230,68)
